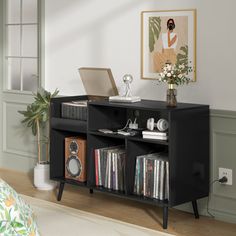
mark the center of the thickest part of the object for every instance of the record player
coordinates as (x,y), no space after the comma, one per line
(98,83)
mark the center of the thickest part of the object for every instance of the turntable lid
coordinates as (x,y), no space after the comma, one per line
(98,81)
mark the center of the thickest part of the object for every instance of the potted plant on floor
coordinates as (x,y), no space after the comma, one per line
(36,117)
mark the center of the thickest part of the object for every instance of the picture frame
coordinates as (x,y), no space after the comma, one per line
(168,37)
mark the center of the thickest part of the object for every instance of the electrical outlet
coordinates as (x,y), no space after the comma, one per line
(228,173)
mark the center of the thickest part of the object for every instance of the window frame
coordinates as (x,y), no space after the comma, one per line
(6,81)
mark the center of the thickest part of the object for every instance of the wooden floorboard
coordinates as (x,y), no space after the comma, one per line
(180,223)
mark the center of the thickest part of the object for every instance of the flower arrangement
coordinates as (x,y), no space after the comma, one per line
(175,74)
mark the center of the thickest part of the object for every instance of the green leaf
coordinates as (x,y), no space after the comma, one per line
(154,31)
(22,232)
(34,128)
(16,224)
(38,110)
(7,215)
(2,229)
(1,223)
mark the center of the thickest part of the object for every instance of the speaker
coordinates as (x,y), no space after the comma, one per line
(75,158)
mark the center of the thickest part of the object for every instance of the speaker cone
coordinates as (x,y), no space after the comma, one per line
(73,166)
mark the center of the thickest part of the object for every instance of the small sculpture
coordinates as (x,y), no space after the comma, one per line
(127,80)
(127,97)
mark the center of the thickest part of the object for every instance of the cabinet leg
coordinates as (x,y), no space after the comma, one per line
(91,191)
(195,209)
(61,188)
(165,217)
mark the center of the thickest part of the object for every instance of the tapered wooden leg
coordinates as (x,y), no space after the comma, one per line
(91,191)
(165,217)
(61,188)
(195,209)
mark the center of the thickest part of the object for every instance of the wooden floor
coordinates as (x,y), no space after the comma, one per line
(180,223)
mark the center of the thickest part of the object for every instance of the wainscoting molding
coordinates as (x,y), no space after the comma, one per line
(222,200)
(17,139)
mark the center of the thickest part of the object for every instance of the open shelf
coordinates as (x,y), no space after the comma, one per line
(118,136)
(154,141)
(69,125)
(151,201)
(132,138)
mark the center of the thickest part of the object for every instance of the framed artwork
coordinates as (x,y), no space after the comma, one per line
(168,37)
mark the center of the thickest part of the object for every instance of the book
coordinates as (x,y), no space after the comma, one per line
(121,170)
(124,99)
(149,176)
(96,151)
(102,163)
(157,137)
(162,180)
(152,176)
(167,180)
(154,133)
(157,179)
(136,176)
(110,167)
(138,186)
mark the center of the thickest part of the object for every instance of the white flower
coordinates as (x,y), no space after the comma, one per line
(180,76)
(169,74)
(172,72)
(165,72)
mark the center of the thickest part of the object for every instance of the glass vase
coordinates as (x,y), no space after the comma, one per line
(171,94)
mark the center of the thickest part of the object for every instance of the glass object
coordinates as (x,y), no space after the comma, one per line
(171,94)
(127,80)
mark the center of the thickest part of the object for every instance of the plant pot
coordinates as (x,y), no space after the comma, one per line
(41,177)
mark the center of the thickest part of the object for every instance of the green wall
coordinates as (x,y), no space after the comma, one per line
(222,201)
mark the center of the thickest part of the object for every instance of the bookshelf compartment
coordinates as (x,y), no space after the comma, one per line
(106,118)
(69,125)
(57,158)
(99,142)
(134,149)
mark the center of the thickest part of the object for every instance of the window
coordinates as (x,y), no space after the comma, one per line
(22,45)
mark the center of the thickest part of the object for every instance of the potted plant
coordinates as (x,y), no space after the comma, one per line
(36,117)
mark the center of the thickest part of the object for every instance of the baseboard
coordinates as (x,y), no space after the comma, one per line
(17,163)
(226,216)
